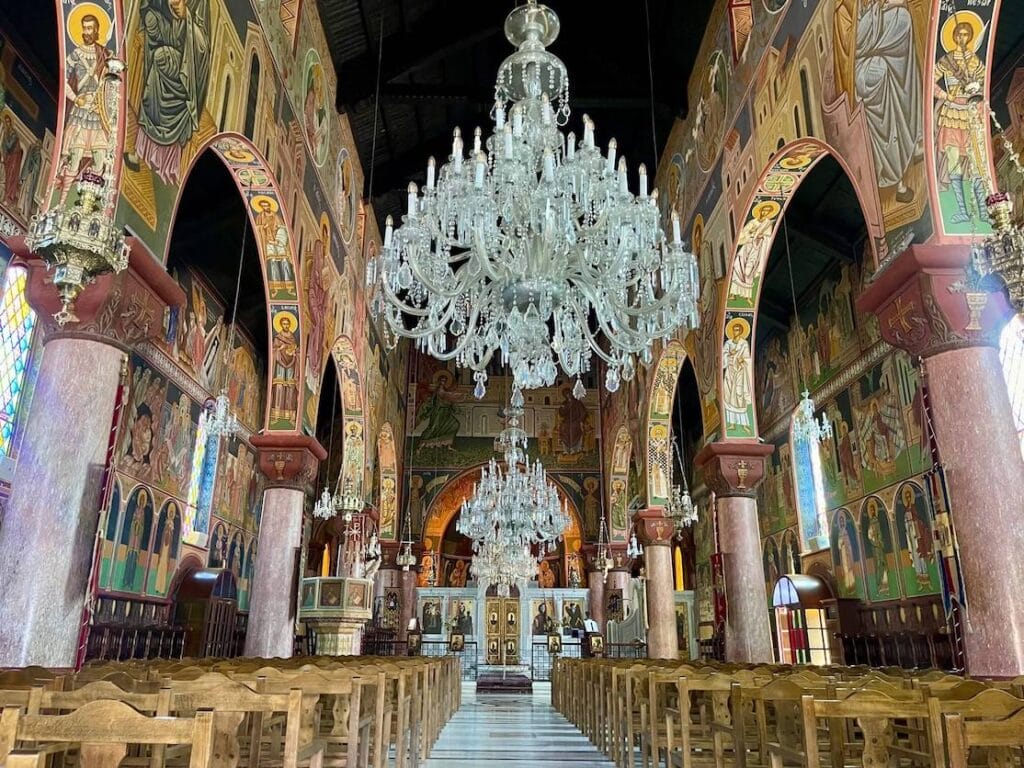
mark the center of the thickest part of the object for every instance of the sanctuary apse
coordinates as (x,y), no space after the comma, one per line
(836,418)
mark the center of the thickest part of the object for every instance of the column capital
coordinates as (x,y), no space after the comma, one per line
(653,528)
(733,467)
(929,300)
(123,309)
(288,460)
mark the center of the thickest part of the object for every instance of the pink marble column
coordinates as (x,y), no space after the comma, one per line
(733,469)
(289,463)
(271,630)
(747,628)
(927,303)
(408,585)
(596,582)
(619,578)
(655,532)
(981,452)
(47,539)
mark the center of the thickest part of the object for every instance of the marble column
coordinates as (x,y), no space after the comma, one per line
(929,305)
(47,542)
(289,463)
(596,583)
(619,578)
(407,582)
(733,470)
(655,532)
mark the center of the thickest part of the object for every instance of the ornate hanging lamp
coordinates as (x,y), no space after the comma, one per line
(533,246)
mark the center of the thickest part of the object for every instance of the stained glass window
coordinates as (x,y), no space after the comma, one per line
(17,322)
(1011,355)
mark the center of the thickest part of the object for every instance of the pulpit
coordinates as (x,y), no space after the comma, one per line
(336,609)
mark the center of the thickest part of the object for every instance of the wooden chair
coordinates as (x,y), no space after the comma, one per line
(1004,739)
(102,732)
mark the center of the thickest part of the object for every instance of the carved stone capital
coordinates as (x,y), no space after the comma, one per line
(928,300)
(122,310)
(288,460)
(653,529)
(733,467)
(617,552)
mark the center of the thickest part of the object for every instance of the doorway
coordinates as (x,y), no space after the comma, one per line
(502,629)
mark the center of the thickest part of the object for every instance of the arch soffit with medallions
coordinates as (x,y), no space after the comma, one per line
(736,321)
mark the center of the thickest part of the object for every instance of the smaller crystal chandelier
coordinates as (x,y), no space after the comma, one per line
(222,421)
(805,427)
(501,563)
(680,506)
(515,501)
(405,559)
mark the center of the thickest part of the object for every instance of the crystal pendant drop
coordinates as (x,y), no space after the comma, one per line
(579,391)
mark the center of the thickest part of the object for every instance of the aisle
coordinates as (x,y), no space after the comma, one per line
(512,732)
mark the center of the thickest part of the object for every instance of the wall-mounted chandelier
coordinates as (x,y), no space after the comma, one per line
(533,245)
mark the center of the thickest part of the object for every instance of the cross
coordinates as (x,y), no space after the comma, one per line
(900,316)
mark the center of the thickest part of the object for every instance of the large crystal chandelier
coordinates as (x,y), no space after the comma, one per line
(501,563)
(533,245)
(513,500)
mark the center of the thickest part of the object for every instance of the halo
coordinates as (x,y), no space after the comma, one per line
(278,317)
(742,323)
(697,237)
(771,204)
(437,377)
(258,199)
(973,20)
(74,23)
(659,432)
(325,234)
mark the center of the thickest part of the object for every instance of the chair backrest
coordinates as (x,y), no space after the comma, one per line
(963,735)
(114,725)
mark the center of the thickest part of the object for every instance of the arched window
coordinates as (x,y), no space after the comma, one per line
(1011,355)
(253,96)
(17,321)
(810,495)
(805,93)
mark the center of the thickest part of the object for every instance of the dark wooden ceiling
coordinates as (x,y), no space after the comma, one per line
(440,57)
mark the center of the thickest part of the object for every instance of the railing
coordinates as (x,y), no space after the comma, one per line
(117,642)
(541,658)
(625,650)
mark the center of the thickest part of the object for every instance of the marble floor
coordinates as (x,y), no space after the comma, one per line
(512,732)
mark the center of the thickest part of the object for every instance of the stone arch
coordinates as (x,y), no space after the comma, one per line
(286,319)
(354,463)
(388,492)
(659,423)
(737,318)
(618,486)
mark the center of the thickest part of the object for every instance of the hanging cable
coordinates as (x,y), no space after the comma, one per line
(376,109)
(792,293)
(650,75)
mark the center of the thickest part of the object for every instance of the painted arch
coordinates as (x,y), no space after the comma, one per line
(354,462)
(659,423)
(737,319)
(269,224)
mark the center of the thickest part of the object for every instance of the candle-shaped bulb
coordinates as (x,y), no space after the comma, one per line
(570,146)
(508,142)
(431,172)
(499,115)
(676,234)
(389,231)
(477,134)
(623,175)
(479,170)
(643,180)
(413,191)
(613,145)
(549,165)
(545,110)
(588,132)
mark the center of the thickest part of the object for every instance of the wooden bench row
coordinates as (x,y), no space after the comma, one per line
(665,713)
(352,712)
